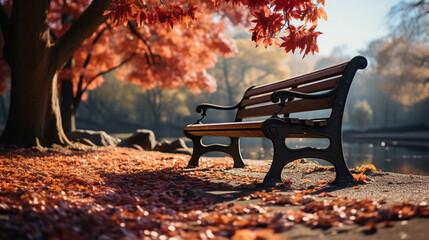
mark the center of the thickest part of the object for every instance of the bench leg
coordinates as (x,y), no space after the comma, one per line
(277,133)
(343,174)
(199,149)
(234,151)
(197,152)
(281,157)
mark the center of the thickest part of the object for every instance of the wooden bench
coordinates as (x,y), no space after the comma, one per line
(319,90)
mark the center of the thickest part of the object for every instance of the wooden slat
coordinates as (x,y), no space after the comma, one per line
(224,126)
(291,107)
(256,100)
(231,129)
(247,133)
(239,129)
(317,87)
(311,77)
(229,133)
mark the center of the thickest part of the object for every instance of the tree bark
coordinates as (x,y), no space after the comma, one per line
(34,114)
(67,106)
(3,112)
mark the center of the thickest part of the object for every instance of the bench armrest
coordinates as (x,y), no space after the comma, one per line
(284,95)
(202,108)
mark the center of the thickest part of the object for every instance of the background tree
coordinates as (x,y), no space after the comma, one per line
(410,20)
(113,102)
(404,70)
(403,58)
(361,114)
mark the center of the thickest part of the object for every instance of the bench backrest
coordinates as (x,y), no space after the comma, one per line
(256,101)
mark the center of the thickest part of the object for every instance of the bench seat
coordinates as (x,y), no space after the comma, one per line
(249,129)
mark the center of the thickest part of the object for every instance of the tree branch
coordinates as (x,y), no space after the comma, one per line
(107,71)
(87,24)
(88,58)
(134,31)
(80,91)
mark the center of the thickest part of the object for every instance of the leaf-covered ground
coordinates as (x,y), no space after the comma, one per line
(120,193)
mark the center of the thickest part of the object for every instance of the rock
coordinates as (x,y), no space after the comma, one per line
(163,146)
(176,146)
(143,138)
(98,138)
(178,143)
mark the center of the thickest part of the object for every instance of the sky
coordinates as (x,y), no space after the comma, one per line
(352,24)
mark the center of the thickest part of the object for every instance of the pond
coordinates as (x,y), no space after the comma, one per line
(391,156)
(388,156)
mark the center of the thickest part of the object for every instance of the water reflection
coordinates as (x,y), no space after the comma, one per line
(391,156)
(388,156)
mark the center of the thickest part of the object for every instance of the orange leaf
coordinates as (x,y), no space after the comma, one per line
(361,178)
(323,14)
(367,168)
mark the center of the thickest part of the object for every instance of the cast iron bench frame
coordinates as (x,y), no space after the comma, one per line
(324,89)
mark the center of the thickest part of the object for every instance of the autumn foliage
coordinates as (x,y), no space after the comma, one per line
(147,55)
(148,52)
(171,43)
(274,20)
(119,193)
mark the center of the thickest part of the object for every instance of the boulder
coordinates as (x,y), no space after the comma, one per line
(178,143)
(163,146)
(97,138)
(175,146)
(143,138)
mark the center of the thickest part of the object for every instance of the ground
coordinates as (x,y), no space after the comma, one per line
(121,193)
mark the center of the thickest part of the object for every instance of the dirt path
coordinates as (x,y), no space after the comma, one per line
(390,188)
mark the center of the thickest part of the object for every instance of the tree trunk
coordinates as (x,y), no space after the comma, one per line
(34,113)
(67,106)
(34,110)
(3,113)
